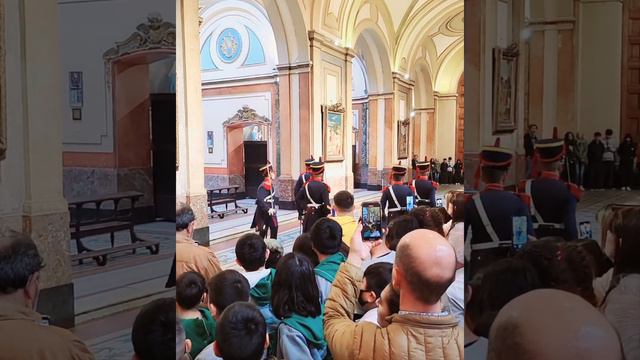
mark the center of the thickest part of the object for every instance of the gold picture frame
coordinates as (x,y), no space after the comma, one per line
(505,80)
(333,132)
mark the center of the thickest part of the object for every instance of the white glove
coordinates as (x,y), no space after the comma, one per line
(272,212)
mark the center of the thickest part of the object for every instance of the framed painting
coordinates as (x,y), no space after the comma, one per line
(403,139)
(333,132)
(505,76)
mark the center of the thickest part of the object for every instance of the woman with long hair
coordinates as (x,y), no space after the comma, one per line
(627,154)
(620,305)
(295,301)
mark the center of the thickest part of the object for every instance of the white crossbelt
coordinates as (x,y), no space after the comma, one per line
(311,202)
(539,221)
(495,240)
(417,195)
(393,195)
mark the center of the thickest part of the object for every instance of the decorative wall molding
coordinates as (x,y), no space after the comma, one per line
(155,34)
(246,115)
(337,107)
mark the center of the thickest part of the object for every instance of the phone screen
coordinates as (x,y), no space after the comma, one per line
(409,203)
(585,230)
(519,231)
(371,221)
(438,202)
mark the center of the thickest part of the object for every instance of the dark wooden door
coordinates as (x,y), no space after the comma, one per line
(163,140)
(255,156)
(630,106)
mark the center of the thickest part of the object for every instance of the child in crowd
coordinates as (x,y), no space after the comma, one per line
(375,279)
(343,207)
(198,324)
(251,255)
(242,333)
(326,236)
(295,301)
(389,305)
(304,246)
(224,289)
(152,334)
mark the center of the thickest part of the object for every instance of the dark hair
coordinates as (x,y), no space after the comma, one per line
(326,236)
(398,228)
(343,200)
(304,246)
(251,251)
(227,287)
(154,330)
(542,255)
(597,133)
(394,301)
(378,276)
(184,217)
(600,262)
(241,332)
(626,226)
(498,284)
(429,218)
(425,289)
(294,289)
(579,274)
(397,177)
(19,259)
(608,132)
(457,199)
(627,136)
(492,174)
(190,286)
(566,137)
(532,125)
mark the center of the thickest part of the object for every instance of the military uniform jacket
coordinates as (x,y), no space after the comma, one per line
(302,179)
(426,189)
(318,194)
(398,203)
(500,206)
(553,203)
(265,201)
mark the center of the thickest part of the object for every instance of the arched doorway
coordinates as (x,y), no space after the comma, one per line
(248,137)
(460,120)
(141,97)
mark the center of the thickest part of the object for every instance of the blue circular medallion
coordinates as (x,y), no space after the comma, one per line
(229,45)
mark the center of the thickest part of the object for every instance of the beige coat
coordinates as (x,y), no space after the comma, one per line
(192,257)
(24,337)
(407,337)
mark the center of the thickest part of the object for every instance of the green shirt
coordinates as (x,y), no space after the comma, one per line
(201,331)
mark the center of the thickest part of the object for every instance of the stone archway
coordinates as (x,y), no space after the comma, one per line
(460,120)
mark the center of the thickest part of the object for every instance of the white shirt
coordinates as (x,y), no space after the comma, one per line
(370,316)
(254,276)
(389,257)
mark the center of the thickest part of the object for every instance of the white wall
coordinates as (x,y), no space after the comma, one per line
(103,23)
(358,79)
(219,109)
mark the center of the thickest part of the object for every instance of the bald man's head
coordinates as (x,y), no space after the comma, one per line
(425,265)
(552,325)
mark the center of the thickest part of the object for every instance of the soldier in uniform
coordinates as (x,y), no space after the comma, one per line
(313,197)
(490,214)
(265,218)
(425,189)
(553,201)
(302,179)
(394,196)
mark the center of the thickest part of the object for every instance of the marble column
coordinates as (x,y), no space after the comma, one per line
(190,132)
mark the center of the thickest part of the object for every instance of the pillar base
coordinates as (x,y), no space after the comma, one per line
(284,193)
(374,177)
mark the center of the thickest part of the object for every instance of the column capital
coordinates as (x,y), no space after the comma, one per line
(401,79)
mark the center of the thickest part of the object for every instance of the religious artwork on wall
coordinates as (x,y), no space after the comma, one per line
(229,45)
(254,133)
(333,132)
(3,117)
(403,139)
(505,75)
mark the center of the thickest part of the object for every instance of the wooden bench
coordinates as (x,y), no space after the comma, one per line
(224,196)
(105,221)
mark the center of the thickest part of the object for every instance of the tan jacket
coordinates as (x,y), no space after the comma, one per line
(407,337)
(192,257)
(24,337)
